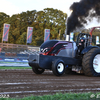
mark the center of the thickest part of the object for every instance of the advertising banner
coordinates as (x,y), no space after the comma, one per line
(47,35)
(71,36)
(5,32)
(97,39)
(29,34)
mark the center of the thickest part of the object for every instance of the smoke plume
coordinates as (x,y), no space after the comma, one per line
(82,12)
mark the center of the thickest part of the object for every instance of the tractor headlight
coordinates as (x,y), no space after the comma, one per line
(45,50)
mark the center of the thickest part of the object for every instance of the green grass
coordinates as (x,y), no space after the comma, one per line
(15,67)
(60,96)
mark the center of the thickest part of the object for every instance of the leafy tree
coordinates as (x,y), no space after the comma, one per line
(21,39)
(49,18)
(52,19)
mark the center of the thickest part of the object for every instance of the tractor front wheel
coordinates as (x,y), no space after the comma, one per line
(91,62)
(37,70)
(58,67)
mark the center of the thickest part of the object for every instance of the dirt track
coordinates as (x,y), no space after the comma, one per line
(20,83)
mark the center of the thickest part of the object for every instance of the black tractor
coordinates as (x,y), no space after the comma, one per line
(65,56)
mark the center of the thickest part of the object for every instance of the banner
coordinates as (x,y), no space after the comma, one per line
(71,36)
(97,39)
(29,34)
(47,35)
(5,32)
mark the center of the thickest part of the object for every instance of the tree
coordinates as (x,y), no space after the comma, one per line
(52,19)
(21,39)
(49,18)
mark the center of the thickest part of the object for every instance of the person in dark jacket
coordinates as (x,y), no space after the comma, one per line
(81,45)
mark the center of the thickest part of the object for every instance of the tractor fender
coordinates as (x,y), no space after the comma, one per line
(85,50)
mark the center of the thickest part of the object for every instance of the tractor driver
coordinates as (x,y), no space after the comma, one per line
(81,45)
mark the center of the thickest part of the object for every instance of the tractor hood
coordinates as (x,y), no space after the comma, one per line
(52,47)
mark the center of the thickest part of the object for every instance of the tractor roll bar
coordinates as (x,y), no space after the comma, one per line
(92,30)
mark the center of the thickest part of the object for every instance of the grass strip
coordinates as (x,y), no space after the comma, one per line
(61,96)
(15,67)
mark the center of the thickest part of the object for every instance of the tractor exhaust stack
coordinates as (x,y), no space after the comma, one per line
(67,37)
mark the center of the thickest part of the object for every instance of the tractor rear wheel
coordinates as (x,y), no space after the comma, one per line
(58,67)
(91,62)
(37,70)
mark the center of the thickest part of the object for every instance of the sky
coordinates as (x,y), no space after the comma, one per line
(11,7)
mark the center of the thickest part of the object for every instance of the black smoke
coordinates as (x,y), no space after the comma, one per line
(83,12)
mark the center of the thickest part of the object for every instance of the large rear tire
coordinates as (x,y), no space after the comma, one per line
(37,70)
(58,67)
(91,62)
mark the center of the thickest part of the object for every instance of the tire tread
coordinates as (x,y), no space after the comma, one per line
(86,62)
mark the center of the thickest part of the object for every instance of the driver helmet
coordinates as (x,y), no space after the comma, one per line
(82,39)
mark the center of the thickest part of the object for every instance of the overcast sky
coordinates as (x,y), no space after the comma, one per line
(11,7)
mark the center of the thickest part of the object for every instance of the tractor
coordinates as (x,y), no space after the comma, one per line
(62,56)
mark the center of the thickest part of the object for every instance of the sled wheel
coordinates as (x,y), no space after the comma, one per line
(58,67)
(37,70)
(91,62)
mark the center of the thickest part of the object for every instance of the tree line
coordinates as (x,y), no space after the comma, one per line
(48,18)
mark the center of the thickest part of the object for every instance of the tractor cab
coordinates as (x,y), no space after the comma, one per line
(86,39)
(83,41)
